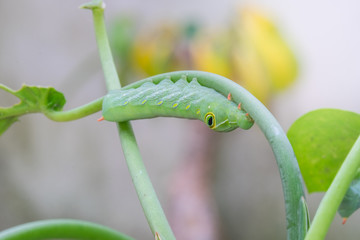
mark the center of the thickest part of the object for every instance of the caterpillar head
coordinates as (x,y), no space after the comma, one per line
(224,120)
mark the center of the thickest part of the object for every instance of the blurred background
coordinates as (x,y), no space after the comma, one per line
(294,56)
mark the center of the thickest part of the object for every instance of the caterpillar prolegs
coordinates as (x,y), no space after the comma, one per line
(180,98)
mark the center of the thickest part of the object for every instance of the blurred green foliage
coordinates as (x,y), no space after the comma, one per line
(249,50)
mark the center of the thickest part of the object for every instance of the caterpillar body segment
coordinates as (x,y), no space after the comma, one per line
(169,98)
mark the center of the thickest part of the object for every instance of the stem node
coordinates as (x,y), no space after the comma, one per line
(94,4)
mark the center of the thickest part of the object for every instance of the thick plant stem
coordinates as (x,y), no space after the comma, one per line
(335,194)
(295,205)
(146,193)
(61,228)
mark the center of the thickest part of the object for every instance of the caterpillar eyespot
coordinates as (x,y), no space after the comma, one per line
(210,120)
(175,98)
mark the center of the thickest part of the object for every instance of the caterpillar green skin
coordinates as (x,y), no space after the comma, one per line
(180,99)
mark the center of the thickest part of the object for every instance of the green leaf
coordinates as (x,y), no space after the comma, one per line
(6,123)
(55,100)
(321,140)
(351,201)
(32,99)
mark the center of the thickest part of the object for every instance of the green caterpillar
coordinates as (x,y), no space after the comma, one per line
(179,98)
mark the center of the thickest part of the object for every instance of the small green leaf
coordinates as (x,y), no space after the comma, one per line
(32,99)
(321,140)
(6,123)
(351,201)
(55,100)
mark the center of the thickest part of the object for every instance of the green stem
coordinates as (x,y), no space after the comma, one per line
(59,116)
(107,62)
(296,209)
(335,194)
(76,113)
(147,196)
(61,228)
(146,193)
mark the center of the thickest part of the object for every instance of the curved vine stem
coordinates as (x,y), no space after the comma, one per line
(76,113)
(146,193)
(61,228)
(296,209)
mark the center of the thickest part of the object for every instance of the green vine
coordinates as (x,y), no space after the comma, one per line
(76,113)
(146,193)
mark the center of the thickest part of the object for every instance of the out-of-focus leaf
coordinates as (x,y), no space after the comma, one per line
(250,50)
(274,52)
(351,201)
(321,140)
(262,60)
(212,54)
(32,99)
(249,71)
(122,36)
(154,53)
(6,123)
